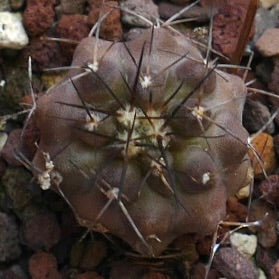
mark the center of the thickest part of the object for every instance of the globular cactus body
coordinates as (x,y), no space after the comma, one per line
(143,139)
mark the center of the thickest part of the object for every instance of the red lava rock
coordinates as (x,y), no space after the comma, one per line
(268,43)
(263,144)
(72,27)
(89,275)
(44,54)
(232,26)
(8,151)
(270,189)
(267,235)
(236,211)
(111,28)
(41,231)
(155,275)
(38,16)
(274,273)
(232,264)
(25,143)
(43,266)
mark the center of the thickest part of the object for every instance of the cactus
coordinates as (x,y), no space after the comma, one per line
(144,139)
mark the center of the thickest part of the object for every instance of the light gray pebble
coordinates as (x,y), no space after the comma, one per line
(244,243)
(12,33)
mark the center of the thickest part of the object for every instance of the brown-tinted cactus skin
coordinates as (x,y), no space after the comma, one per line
(175,161)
